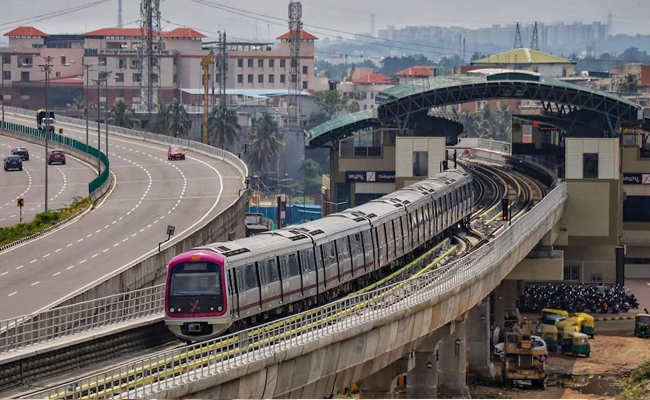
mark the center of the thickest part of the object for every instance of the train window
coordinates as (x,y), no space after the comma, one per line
(307,258)
(294,268)
(271,270)
(319,258)
(283,267)
(342,247)
(330,254)
(367,240)
(355,241)
(241,284)
(250,277)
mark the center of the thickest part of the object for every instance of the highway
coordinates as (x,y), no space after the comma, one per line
(150,194)
(65,183)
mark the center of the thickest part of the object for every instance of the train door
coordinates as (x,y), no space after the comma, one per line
(356,252)
(291,278)
(390,241)
(382,247)
(270,279)
(369,249)
(345,262)
(308,271)
(249,290)
(331,263)
(397,235)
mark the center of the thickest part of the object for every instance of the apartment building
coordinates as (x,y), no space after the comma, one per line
(22,80)
(362,85)
(250,65)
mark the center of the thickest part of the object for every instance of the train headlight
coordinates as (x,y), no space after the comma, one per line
(219,308)
(171,309)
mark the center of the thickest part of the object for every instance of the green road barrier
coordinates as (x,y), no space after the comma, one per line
(99,185)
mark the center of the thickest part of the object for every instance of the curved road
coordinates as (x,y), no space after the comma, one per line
(65,183)
(150,194)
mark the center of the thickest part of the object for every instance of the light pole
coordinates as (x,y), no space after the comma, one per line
(47,68)
(2,84)
(87,68)
(102,77)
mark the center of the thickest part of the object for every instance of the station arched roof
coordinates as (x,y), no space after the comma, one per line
(399,101)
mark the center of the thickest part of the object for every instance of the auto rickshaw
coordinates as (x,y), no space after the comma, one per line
(552,311)
(575,343)
(549,334)
(577,321)
(566,326)
(588,327)
(642,326)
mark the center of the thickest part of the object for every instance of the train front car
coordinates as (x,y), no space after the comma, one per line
(196,305)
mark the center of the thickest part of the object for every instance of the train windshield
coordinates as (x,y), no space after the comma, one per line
(195,279)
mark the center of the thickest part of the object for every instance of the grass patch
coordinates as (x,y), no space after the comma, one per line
(42,221)
(637,385)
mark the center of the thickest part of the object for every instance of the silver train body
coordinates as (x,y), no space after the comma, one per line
(288,270)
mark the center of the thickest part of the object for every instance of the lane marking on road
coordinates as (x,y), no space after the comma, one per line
(4,273)
(57,274)
(33,261)
(19,268)
(36,283)
(11,294)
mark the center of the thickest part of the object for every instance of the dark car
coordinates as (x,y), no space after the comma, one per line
(176,153)
(56,156)
(13,163)
(21,152)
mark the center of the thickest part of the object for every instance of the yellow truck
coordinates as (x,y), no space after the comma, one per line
(521,361)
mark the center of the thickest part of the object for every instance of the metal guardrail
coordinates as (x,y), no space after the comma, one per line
(95,187)
(495,145)
(173,368)
(81,317)
(144,136)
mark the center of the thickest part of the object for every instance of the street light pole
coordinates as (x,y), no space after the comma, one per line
(99,127)
(2,85)
(47,68)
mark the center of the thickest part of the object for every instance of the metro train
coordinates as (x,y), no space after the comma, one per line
(234,285)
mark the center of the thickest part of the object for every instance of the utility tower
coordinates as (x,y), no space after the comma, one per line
(221,60)
(150,51)
(534,44)
(119,14)
(295,32)
(518,42)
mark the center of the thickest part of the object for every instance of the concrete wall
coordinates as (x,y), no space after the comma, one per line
(319,367)
(406,146)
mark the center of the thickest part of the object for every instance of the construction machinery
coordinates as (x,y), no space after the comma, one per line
(205,64)
(521,360)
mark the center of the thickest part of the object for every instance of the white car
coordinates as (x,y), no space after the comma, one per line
(538,344)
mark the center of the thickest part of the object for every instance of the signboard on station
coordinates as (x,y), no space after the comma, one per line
(370,176)
(636,179)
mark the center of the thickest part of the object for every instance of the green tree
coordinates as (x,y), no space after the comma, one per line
(223,127)
(123,115)
(266,143)
(331,102)
(630,84)
(497,122)
(354,107)
(316,118)
(470,123)
(161,119)
(312,180)
(180,121)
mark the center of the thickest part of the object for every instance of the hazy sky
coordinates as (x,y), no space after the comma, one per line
(629,16)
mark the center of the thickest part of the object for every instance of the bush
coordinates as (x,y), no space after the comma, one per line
(637,385)
(41,222)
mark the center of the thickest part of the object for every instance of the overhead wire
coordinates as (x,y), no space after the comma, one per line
(265,18)
(43,17)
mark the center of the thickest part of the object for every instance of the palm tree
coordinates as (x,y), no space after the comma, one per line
(265,142)
(223,127)
(180,121)
(470,123)
(161,120)
(123,115)
(630,84)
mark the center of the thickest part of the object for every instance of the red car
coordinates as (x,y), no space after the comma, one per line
(56,156)
(176,153)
